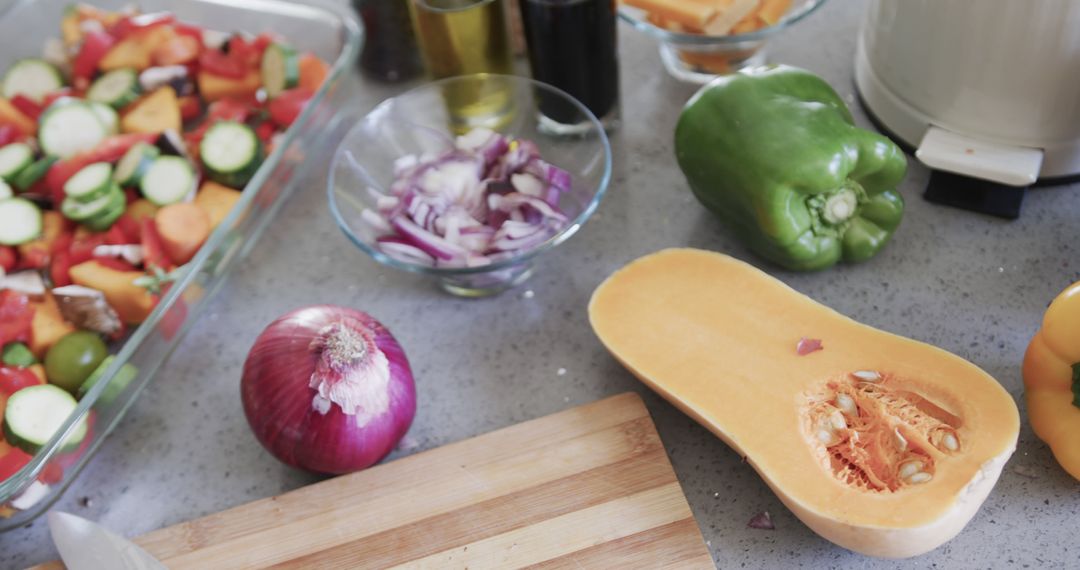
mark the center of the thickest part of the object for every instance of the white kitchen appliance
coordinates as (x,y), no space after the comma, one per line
(988,89)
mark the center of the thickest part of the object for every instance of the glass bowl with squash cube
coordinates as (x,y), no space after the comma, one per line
(701,39)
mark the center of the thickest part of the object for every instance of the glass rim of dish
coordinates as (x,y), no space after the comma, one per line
(634,17)
(520,257)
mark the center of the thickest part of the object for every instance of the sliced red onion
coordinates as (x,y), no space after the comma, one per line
(472,205)
(401,250)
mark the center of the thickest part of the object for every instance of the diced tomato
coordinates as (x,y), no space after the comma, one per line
(130,195)
(9,134)
(114,263)
(51,474)
(139,22)
(286,107)
(60,269)
(154,256)
(94,47)
(217,62)
(13,379)
(130,228)
(27,106)
(111,149)
(190,108)
(8,258)
(12,461)
(179,50)
(265,131)
(16,314)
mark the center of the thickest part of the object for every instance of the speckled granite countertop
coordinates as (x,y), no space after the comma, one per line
(973,285)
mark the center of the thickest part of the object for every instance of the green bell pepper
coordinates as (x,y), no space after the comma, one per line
(774,153)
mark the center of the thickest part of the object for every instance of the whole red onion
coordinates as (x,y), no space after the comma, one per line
(328,389)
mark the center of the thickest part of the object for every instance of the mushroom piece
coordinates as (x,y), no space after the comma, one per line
(87,309)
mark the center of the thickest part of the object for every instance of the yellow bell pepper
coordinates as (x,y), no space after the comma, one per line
(1052,379)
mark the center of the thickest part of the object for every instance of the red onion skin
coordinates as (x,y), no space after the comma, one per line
(277,397)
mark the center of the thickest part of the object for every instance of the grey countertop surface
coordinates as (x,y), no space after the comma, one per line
(974,285)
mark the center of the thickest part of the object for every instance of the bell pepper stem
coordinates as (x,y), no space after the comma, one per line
(840,207)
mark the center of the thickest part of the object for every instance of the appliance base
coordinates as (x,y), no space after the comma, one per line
(907,125)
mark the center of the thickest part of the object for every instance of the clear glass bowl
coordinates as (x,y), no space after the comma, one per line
(699,58)
(324,27)
(426,119)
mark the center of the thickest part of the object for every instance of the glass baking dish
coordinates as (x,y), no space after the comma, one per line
(328,29)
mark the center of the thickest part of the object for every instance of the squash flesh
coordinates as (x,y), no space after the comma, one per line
(717,338)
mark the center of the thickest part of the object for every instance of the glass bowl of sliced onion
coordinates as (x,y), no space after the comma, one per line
(464,180)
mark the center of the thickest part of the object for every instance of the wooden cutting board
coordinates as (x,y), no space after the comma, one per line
(590,487)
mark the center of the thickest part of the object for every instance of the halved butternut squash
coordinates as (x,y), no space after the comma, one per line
(881,444)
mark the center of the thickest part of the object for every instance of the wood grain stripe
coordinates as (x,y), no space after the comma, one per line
(674,545)
(522,508)
(385,487)
(562,535)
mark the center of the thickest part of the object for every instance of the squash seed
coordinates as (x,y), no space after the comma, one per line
(950,442)
(867,375)
(837,420)
(846,404)
(909,468)
(920,477)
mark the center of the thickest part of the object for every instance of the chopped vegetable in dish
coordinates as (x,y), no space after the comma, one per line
(118,158)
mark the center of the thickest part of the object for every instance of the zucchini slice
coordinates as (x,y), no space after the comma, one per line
(31,77)
(34,415)
(20,221)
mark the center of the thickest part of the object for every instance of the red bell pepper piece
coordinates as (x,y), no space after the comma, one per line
(116,236)
(190,108)
(12,461)
(94,47)
(287,106)
(9,134)
(220,110)
(8,257)
(140,22)
(173,319)
(13,379)
(261,42)
(27,106)
(217,62)
(16,314)
(51,474)
(182,29)
(111,149)
(82,248)
(246,52)
(60,269)
(154,256)
(114,263)
(130,228)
